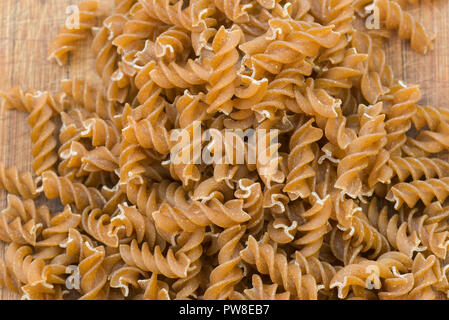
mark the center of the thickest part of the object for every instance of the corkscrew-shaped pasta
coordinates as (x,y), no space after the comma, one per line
(32,272)
(235,10)
(427,142)
(399,116)
(362,233)
(99,226)
(430,116)
(301,174)
(7,279)
(171,265)
(365,274)
(342,75)
(370,140)
(268,158)
(94,267)
(395,232)
(426,191)
(281,230)
(180,75)
(136,31)
(173,43)
(69,192)
(58,231)
(269,52)
(100,159)
(273,263)
(221,83)
(417,168)
(42,132)
(345,209)
(192,18)
(154,289)
(340,14)
(395,18)
(148,197)
(22,222)
(397,287)
(278,93)
(275,199)
(315,225)
(427,229)
(426,274)
(101,133)
(185,155)
(18,183)
(260,291)
(314,101)
(151,132)
(322,271)
(252,195)
(342,249)
(227,274)
(191,244)
(233,150)
(198,214)
(14,99)
(116,83)
(190,108)
(64,43)
(90,98)
(126,277)
(377,76)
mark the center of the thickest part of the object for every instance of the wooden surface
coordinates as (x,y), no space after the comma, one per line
(26,27)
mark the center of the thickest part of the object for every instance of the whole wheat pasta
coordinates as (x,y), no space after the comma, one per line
(254,149)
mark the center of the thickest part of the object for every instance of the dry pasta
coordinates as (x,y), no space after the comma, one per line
(244,150)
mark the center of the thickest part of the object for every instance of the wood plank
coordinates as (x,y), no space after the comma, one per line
(26,27)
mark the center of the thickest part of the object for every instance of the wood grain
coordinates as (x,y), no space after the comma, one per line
(26,27)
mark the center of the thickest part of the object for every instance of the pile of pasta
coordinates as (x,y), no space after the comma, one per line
(355,207)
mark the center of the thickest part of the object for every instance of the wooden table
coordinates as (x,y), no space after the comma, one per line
(26,27)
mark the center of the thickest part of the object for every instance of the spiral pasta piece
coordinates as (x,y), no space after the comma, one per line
(426,274)
(426,191)
(22,221)
(399,116)
(151,132)
(252,195)
(269,261)
(67,37)
(315,225)
(154,289)
(191,18)
(172,265)
(300,177)
(18,183)
(69,192)
(94,268)
(394,17)
(417,168)
(268,53)
(370,139)
(261,291)
(117,85)
(227,274)
(90,98)
(365,274)
(43,128)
